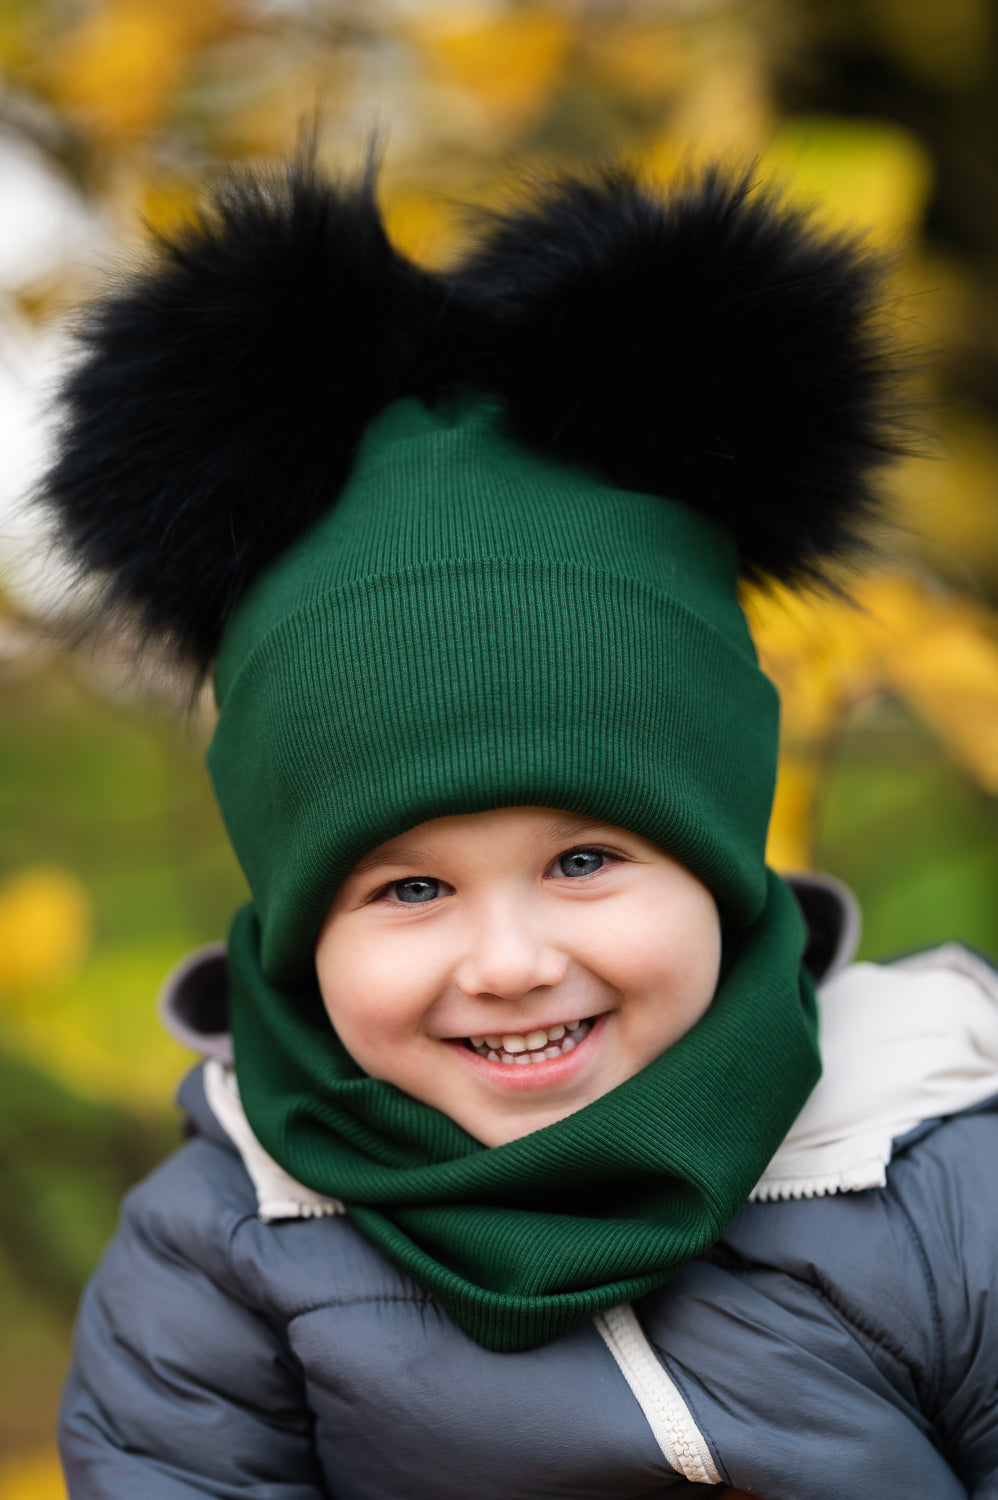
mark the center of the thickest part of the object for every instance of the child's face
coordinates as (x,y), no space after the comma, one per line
(448,952)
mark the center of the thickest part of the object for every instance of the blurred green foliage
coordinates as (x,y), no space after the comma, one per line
(915,838)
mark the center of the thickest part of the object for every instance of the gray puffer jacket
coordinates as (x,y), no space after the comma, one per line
(241,1338)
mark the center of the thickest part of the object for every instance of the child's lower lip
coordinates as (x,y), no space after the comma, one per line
(552,1071)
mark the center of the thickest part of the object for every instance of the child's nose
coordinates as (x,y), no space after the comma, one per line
(508,956)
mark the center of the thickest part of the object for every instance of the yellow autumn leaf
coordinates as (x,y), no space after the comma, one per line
(818,651)
(46,927)
(19,20)
(32,1476)
(868,175)
(120,65)
(510,61)
(937,651)
(951,680)
(790,840)
(166,204)
(940,653)
(99,1033)
(811,694)
(422,227)
(644,58)
(946,501)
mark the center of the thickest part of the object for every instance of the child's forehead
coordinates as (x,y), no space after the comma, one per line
(536,825)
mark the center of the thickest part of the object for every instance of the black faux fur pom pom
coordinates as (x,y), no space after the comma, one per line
(223,391)
(710,346)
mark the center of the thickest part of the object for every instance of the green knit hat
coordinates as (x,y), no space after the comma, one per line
(477,626)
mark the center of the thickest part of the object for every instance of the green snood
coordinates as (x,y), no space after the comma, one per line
(473,626)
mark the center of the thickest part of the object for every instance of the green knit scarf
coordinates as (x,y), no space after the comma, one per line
(522,1242)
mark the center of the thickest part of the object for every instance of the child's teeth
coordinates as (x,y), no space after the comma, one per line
(543,1044)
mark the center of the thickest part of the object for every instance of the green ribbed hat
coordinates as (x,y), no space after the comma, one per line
(473,626)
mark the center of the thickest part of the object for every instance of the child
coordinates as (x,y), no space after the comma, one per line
(520,1020)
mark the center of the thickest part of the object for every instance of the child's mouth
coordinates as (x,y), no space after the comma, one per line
(521,1049)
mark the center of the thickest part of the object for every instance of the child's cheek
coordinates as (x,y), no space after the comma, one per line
(656,946)
(378,984)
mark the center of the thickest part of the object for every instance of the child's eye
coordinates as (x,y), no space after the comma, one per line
(415,890)
(581,861)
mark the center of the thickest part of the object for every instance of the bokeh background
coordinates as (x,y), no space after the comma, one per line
(881,113)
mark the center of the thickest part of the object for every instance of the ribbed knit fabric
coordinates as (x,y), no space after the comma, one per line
(472,627)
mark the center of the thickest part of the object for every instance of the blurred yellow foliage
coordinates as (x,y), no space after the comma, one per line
(270,95)
(421,226)
(722,110)
(947,500)
(940,653)
(32,1476)
(99,1034)
(166,204)
(937,651)
(510,61)
(936,302)
(645,59)
(46,927)
(791,825)
(120,65)
(17,33)
(868,175)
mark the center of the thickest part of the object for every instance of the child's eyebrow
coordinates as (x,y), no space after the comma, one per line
(571,827)
(391,854)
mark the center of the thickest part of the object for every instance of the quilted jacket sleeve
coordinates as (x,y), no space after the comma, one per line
(948,1187)
(178,1387)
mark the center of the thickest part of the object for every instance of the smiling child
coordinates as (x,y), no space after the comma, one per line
(520,1021)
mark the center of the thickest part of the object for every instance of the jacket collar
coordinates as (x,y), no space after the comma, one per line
(901,1044)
